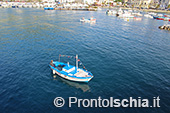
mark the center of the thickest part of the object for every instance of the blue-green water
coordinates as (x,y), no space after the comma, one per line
(128,59)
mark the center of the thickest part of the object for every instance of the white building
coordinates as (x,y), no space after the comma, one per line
(89,1)
(164,3)
(48,0)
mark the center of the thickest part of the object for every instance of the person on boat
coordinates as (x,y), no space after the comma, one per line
(51,63)
(82,18)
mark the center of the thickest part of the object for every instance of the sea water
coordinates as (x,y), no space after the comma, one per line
(127,59)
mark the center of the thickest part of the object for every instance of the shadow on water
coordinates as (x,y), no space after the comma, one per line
(83,86)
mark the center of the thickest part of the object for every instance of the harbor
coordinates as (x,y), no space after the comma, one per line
(119,52)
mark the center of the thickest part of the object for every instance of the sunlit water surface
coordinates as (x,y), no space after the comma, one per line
(127,58)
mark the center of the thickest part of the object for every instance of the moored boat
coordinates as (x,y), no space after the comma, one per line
(49,5)
(166,19)
(70,72)
(48,8)
(111,12)
(137,18)
(160,18)
(148,16)
(154,17)
(88,20)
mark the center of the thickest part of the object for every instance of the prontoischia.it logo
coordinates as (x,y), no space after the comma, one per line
(111,102)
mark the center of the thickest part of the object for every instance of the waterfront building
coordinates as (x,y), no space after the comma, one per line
(145,3)
(136,3)
(88,1)
(164,4)
(154,3)
(48,0)
(124,1)
(149,3)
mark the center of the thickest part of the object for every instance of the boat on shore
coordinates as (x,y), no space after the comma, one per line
(70,72)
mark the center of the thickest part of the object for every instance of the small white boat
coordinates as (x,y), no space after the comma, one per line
(99,9)
(108,12)
(20,5)
(126,14)
(70,72)
(84,20)
(4,5)
(34,6)
(111,12)
(137,14)
(137,18)
(148,16)
(152,13)
(119,12)
(88,20)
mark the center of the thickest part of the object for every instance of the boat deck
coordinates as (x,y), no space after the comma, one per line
(81,73)
(71,70)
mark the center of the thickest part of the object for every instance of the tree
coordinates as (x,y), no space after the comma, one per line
(132,6)
(168,6)
(140,6)
(118,0)
(157,6)
(149,6)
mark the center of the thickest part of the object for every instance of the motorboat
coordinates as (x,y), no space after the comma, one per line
(137,18)
(88,20)
(148,16)
(49,5)
(111,12)
(70,72)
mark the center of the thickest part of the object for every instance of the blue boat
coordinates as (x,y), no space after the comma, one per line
(70,72)
(14,6)
(155,17)
(48,8)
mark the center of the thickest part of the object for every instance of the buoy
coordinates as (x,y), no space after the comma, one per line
(53,71)
(54,76)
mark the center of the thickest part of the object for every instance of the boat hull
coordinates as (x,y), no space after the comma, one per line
(154,17)
(160,18)
(48,8)
(71,78)
(87,20)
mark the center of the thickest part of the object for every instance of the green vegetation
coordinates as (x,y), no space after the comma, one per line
(132,6)
(29,0)
(149,6)
(168,6)
(140,6)
(95,7)
(118,0)
(157,6)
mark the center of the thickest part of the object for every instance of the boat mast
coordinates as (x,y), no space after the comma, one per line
(77,61)
(59,58)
